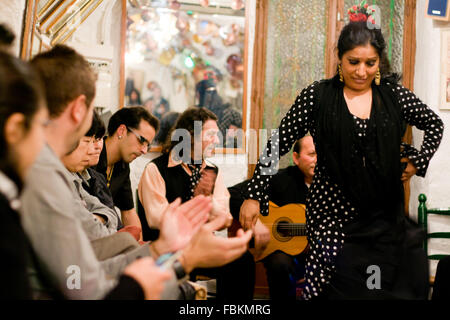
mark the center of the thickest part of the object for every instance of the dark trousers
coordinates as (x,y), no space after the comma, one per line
(235,281)
(283,271)
(441,288)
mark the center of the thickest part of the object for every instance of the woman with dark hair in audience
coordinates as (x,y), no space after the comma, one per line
(23,116)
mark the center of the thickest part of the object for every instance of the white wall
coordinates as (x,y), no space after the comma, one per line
(436,184)
(102,30)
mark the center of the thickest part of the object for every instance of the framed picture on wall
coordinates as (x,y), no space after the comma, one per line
(445,70)
(438,10)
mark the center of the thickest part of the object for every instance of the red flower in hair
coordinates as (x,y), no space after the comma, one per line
(358,17)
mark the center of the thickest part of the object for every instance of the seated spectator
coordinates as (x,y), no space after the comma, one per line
(104,220)
(173,176)
(94,182)
(22,122)
(289,185)
(130,132)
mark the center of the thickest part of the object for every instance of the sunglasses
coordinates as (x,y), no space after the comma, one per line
(141,139)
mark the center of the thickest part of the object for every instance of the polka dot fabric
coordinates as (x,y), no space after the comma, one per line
(195,177)
(327,209)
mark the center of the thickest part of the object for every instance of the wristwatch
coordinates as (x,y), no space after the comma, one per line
(179,270)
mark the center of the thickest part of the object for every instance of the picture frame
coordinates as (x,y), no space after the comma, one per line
(438,10)
(445,70)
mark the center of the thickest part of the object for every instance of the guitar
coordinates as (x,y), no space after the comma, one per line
(287,226)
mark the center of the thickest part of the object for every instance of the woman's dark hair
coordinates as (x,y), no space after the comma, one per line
(201,89)
(6,36)
(357,34)
(131,117)
(166,124)
(137,101)
(21,91)
(97,128)
(186,121)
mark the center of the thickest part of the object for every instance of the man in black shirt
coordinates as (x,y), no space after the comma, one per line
(289,185)
(130,133)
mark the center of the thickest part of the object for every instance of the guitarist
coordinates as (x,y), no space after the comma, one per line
(289,185)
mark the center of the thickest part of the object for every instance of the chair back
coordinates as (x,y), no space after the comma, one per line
(423,213)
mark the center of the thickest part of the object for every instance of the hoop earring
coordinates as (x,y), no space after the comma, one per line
(341,76)
(378,77)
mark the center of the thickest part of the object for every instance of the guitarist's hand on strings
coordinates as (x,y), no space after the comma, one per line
(249,214)
(262,237)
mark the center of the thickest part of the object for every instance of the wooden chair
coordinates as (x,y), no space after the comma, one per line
(423,213)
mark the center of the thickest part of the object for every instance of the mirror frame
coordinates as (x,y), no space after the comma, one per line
(123,37)
(64,32)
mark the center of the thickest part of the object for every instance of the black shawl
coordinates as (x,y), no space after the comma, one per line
(366,168)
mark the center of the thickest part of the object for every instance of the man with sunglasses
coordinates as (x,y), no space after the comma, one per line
(130,132)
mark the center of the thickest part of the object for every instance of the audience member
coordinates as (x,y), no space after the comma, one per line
(23,117)
(170,177)
(130,132)
(105,219)
(94,182)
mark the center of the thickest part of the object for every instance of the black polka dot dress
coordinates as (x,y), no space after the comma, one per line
(327,209)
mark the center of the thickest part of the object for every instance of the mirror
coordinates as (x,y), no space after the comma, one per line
(187,53)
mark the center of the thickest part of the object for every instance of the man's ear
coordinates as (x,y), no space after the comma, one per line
(14,128)
(78,108)
(296,158)
(121,131)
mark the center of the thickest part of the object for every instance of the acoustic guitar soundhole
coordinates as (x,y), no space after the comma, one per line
(282,231)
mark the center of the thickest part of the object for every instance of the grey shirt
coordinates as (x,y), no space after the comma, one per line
(55,219)
(93,227)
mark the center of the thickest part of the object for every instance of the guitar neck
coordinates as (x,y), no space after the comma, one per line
(293,229)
